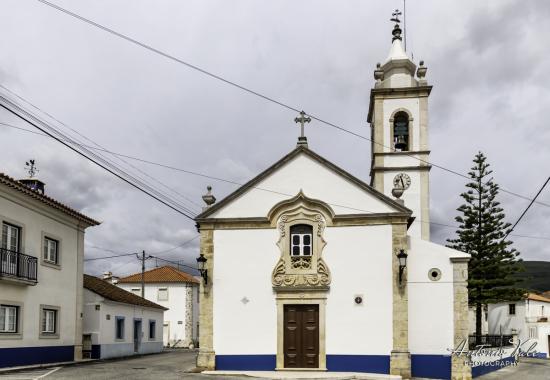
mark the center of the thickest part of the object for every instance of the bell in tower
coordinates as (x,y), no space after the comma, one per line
(401,132)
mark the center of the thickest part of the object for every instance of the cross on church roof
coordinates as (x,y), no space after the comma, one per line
(302,119)
(395,16)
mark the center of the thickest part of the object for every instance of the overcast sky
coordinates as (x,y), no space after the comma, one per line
(487,60)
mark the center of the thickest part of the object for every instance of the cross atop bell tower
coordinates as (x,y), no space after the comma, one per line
(302,119)
(398,117)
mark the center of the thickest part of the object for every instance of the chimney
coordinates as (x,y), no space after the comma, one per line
(34,184)
(108,276)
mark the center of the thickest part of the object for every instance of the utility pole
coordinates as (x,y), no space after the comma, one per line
(142,258)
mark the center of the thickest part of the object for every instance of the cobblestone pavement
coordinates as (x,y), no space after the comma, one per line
(173,364)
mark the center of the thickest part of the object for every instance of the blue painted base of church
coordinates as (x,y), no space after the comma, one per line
(428,366)
(21,356)
(431,366)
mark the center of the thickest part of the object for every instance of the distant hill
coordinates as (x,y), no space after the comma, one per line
(536,276)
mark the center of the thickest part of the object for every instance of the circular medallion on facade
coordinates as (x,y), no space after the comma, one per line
(434,274)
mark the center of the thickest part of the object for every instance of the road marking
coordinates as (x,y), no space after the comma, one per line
(47,373)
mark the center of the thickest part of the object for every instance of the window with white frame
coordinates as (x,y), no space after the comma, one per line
(11,236)
(51,253)
(162,294)
(301,240)
(8,318)
(136,291)
(512,309)
(49,320)
(533,332)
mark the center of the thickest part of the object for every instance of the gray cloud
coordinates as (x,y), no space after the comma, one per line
(486,61)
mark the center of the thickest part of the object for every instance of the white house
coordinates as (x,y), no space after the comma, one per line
(528,318)
(311,273)
(118,323)
(472,320)
(41,262)
(176,290)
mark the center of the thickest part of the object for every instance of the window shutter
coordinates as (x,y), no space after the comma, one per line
(46,249)
(12,318)
(44,316)
(2,318)
(4,236)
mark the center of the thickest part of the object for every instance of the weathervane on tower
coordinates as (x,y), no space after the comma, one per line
(302,119)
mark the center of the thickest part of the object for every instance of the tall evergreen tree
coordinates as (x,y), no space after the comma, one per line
(481,234)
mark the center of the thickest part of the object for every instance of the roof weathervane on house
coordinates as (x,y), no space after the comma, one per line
(31,182)
(302,119)
(30,165)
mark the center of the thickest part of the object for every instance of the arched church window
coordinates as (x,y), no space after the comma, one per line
(401,131)
(301,240)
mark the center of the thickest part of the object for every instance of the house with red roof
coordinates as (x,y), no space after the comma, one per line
(529,318)
(175,290)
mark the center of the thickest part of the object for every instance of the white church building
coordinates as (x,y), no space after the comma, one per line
(326,272)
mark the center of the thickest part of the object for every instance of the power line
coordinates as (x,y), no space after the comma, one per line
(26,119)
(253,92)
(98,147)
(240,184)
(119,254)
(175,263)
(177,246)
(525,211)
(109,257)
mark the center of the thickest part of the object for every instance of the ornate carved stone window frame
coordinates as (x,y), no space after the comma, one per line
(287,276)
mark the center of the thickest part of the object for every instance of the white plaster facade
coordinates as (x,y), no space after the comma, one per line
(529,319)
(176,318)
(58,286)
(100,316)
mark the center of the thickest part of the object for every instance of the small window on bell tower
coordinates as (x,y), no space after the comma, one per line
(401,132)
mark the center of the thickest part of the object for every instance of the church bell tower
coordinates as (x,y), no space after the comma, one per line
(398,117)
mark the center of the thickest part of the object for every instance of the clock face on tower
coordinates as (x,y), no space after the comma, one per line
(402,181)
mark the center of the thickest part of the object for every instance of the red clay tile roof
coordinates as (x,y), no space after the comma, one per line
(16,185)
(536,297)
(114,293)
(159,275)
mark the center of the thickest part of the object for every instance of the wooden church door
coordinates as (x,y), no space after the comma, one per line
(301,336)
